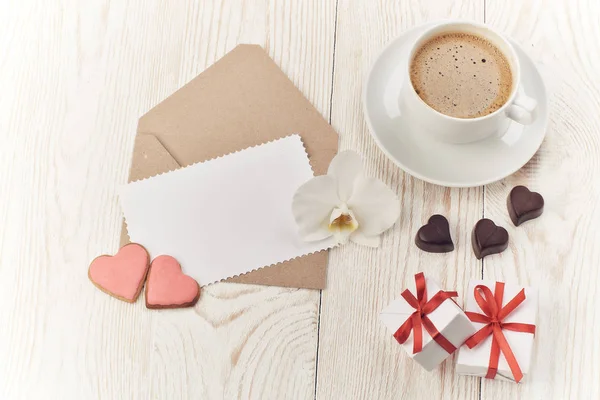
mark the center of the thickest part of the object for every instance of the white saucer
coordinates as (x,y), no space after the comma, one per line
(454,165)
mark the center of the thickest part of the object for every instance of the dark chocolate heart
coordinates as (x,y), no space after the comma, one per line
(488,238)
(524,205)
(434,237)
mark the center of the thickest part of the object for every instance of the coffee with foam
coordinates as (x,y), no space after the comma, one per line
(461,75)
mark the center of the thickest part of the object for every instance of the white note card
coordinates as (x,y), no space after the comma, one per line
(226,216)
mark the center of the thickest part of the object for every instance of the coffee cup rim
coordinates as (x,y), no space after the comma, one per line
(512,58)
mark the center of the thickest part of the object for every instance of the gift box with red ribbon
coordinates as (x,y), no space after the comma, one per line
(427,322)
(504,316)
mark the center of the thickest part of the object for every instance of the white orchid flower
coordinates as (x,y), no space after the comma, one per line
(346,204)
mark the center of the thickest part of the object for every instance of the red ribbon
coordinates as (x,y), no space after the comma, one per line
(493,317)
(419,319)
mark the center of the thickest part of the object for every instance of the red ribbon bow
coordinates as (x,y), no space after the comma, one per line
(493,317)
(419,319)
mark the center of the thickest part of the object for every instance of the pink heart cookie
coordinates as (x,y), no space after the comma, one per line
(122,275)
(168,287)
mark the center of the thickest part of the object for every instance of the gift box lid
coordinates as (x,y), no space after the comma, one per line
(398,311)
(475,361)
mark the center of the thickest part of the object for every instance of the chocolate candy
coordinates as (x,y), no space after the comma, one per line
(434,237)
(524,205)
(488,238)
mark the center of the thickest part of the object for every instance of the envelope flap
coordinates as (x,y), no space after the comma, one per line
(150,158)
(242,100)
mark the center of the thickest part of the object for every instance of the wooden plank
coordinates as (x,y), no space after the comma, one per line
(75,78)
(558,252)
(358,358)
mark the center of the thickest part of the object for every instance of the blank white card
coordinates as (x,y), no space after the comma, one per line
(226,216)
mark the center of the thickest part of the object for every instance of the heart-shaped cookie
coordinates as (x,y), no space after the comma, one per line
(122,275)
(488,238)
(434,237)
(168,287)
(524,205)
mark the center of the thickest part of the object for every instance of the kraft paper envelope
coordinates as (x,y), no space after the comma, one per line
(242,100)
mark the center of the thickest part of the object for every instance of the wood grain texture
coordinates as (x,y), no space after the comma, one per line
(557,252)
(76,76)
(358,358)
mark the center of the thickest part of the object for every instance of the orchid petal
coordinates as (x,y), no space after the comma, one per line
(359,237)
(346,168)
(341,237)
(375,205)
(319,233)
(312,205)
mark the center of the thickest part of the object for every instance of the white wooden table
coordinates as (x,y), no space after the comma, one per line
(75,77)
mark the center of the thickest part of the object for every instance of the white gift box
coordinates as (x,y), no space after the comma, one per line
(476,361)
(449,319)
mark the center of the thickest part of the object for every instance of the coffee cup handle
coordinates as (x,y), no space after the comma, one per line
(522,109)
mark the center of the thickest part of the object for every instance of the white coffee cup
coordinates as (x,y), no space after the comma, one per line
(519,107)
